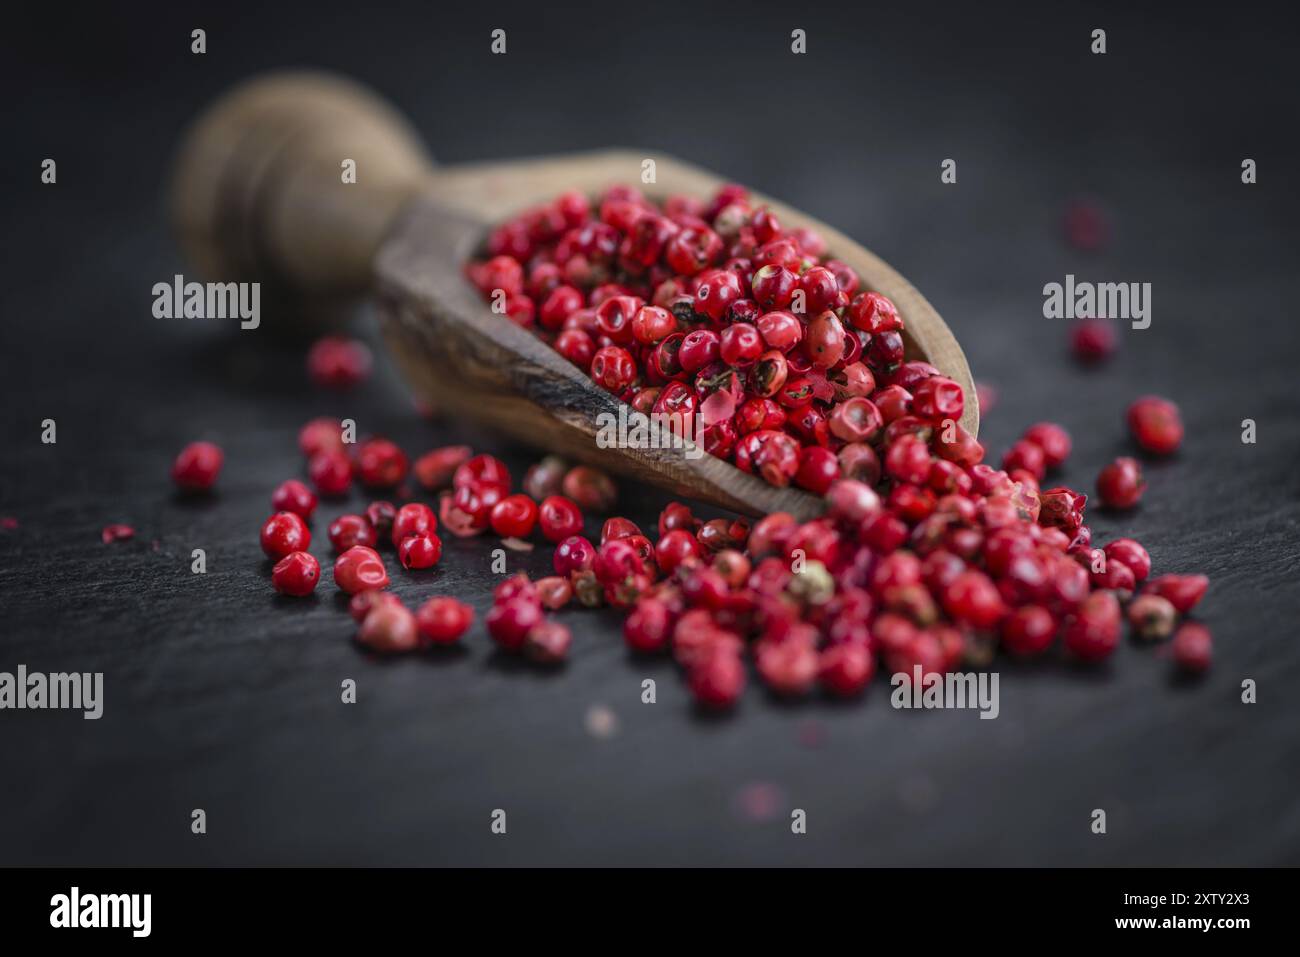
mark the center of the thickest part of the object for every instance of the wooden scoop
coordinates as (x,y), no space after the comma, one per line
(259,195)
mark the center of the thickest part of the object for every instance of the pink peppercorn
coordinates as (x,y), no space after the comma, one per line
(547,642)
(442,621)
(1093,632)
(411,519)
(359,569)
(293,496)
(381,464)
(331,472)
(1120,484)
(390,629)
(1151,617)
(321,435)
(1093,340)
(845,669)
(420,550)
(197,466)
(1184,592)
(509,621)
(718,679)
(296,574)
(1029,630)
(1130,553)
(1052,439)
(335,362)
(1156,425)
(283,533)
(364,602)
(559,518)
(349,530)
(1193,647)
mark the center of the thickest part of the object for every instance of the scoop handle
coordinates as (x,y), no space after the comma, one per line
(294,180)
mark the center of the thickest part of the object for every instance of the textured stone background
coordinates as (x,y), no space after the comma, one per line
(222,697)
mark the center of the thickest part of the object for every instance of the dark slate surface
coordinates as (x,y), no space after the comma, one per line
(220,696)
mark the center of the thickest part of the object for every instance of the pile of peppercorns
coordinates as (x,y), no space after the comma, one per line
(924,557)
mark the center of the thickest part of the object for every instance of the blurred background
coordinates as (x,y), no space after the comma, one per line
(219,697)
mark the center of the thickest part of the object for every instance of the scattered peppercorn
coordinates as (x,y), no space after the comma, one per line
(197,466)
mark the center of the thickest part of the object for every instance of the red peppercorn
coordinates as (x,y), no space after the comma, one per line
(1184,592)
(335,362)
(359,569)
(718,679)
(293,496)
(559,518)
(1130,553)
(321,435)
(716,292)
(972,598)
(613,368)
(554,592)
(676,548)
(1152,617)
(937,398)
(420,550)
(558,306)
(740,344)
(547,642)
(283,533)
(652,324)
(509,621)
(844,669)
(380,515)
(434,470)
(331,473)
(1052,439)
(411,519)
(649,626)
(1120,484)
(617,560)
(698,349)
(197,466)
(873,313)
(1028,456)
(389,628)
(1093,340)
(1193,647)
(589,488)
(576,346)
(347,531)
(818,469)
(514,516)
(692,250)
(574,554)
(908,460)
(364,602)
(470,507)
(614,318)
(483,470)
(788,667)
(296,574)
(1093,632)
(441,620)
(116,533)
(1028,630)
(381,464)
(1156,425)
